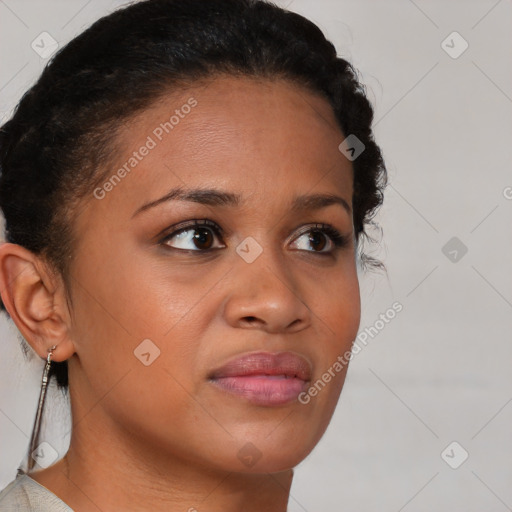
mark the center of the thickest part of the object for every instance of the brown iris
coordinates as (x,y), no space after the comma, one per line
(317,238)
(203,236)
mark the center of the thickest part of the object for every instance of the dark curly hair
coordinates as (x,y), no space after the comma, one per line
(54,148)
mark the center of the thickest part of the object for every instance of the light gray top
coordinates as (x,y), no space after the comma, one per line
(25,494)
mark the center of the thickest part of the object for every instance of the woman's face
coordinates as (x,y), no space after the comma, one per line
(163,311)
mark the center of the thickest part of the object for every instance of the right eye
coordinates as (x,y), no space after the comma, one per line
(196,236)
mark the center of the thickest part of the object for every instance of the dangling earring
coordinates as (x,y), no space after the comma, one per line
(39,413)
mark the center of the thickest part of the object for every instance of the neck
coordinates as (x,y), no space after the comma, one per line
(108,473)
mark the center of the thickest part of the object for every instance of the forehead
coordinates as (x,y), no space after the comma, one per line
(259,138)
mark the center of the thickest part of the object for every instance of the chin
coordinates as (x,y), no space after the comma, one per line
(270,453)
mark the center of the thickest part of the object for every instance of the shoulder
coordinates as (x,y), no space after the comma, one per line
(25,494)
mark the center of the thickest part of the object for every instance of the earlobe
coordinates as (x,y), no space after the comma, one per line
(31,296)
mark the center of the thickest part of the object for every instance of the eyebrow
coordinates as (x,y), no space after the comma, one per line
(213,197)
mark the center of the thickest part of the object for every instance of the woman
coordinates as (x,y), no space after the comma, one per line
(185,191)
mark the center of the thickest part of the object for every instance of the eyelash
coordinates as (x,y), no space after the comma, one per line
(339,241)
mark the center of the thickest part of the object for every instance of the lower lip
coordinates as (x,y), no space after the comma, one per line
(263,389)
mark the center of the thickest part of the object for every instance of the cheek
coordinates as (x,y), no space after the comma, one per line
(133,292)
(138,346)
(340,312)
(348,315)
(338,306)
(130,298)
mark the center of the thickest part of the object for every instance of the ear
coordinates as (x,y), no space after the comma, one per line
(34,297)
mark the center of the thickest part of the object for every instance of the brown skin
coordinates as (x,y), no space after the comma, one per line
(162,436)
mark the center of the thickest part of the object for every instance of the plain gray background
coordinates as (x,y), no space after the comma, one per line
(440,371)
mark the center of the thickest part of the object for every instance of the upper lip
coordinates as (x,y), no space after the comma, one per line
(265,363)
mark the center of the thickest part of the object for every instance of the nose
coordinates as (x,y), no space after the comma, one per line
(266,294)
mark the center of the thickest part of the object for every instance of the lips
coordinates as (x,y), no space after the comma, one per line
(264,378)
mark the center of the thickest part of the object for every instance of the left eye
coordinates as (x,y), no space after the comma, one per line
(323,240)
